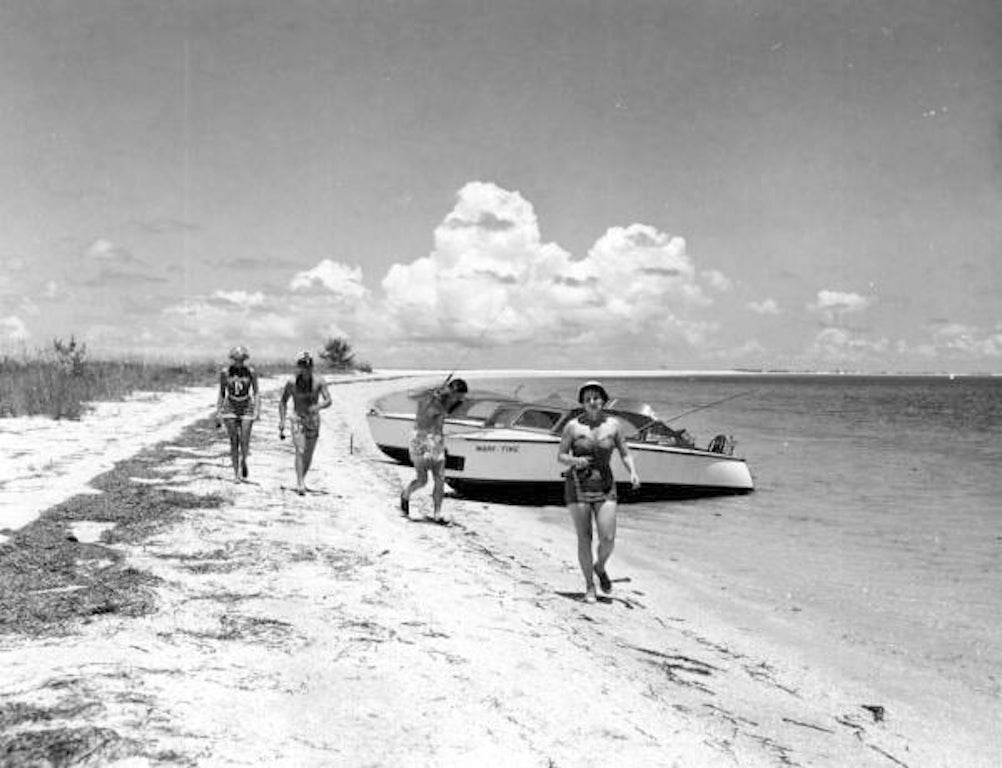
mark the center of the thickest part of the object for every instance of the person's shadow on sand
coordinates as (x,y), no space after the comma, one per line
(579,597)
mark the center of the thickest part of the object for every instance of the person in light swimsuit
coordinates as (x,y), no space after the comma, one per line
(427,446)
(586,448)
(238,406)
(309,396)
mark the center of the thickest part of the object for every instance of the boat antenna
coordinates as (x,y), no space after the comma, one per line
(708,405)
(476,343)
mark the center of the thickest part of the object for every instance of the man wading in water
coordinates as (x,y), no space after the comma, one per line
(427,446)
(309,395)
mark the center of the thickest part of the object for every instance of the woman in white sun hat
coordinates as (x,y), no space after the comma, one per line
(586,447)
(238,406)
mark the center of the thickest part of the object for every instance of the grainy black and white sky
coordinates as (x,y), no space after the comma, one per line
(688,184)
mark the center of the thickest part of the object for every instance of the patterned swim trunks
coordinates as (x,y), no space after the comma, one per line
(427,448)
(306,426)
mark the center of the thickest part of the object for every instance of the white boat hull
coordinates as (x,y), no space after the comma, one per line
(392,432)
(523,464)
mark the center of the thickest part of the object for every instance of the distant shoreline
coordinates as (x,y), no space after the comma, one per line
(663,374)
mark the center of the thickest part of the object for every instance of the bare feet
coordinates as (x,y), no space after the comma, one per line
(603,580)
(589,595)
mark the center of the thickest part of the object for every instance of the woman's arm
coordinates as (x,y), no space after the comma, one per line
(222,394)
(286,394)
(257,398)
(564,455)
(626,456)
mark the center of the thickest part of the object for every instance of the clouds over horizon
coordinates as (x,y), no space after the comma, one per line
(491,276)
(637,297)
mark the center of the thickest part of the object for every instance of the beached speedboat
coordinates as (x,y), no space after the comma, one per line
(514,456)
(391,419)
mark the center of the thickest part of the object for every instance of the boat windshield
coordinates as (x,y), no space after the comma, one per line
(526,417)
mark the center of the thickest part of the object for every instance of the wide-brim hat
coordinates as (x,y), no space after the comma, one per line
(592,385)
(239,353)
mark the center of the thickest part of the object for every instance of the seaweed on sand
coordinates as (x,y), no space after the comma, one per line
(48,579)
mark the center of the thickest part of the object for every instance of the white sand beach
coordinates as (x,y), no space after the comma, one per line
(327,630)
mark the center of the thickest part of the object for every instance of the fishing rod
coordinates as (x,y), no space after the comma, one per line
(704,407)
(657,420)
(480,338)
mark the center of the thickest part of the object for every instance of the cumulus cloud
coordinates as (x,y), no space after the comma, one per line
(13,328)
(212,318)
(105,250)
(717,280)
(838,345)
(238,298)
(967,340)
(491,276)
(834,305)
(330,277)
(764,307)
(104,261)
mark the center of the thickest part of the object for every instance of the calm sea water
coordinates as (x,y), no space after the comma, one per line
(877,514)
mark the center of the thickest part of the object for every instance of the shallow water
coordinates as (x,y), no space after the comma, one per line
(876,517)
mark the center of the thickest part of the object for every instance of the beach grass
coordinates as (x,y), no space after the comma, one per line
(61,382)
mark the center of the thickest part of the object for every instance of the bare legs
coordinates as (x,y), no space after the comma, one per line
(437,489)
(605,522)
(239,431)
(245,435)
(304,458)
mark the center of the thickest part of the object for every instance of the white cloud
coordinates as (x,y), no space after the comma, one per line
(227,321)
(968,340)
(13,328)
(239,298)
(488,255)
(331,277)
(101,249)
(833,305)
(764,307)
(717,279)
(838,345)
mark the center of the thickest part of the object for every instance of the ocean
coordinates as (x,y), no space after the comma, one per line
(876,521)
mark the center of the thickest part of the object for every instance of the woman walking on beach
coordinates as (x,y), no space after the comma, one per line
(427,446)
(238,406)
(309,396)
(586,447)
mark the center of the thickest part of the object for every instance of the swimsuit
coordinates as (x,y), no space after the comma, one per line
(426,447)
(238,401)
(305,427)
(594,483)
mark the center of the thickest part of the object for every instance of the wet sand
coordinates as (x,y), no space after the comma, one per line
(275,629)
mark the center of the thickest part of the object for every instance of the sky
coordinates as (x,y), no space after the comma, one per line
(559,184)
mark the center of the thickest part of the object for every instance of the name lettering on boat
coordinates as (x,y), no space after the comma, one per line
(497,448)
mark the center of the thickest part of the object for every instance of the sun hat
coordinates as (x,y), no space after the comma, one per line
(239,353)
(592,385)
(305,357)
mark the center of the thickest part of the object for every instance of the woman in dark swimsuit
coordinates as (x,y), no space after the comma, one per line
(586,447)
(238,406)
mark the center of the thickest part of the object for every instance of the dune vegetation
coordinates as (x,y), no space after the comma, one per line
(61,381)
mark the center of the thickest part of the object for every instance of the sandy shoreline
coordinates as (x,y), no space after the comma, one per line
(330,631)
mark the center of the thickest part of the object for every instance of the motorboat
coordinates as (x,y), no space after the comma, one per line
(391,419)
(514,457)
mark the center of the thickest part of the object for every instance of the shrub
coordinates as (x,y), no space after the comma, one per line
(337,352)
